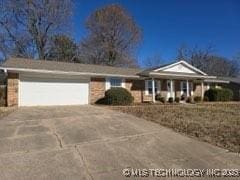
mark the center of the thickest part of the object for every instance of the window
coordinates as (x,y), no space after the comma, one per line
(184,87)
(115,82)
(149,87)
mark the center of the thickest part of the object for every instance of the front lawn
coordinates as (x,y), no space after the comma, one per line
(216,123)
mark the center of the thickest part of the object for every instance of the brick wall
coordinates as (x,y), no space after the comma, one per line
(12,89)
(137,88)
(198,89)
(97,89)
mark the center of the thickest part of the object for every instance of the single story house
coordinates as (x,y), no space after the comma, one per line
(34,82)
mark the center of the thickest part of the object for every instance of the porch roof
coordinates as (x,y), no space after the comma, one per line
(177,75)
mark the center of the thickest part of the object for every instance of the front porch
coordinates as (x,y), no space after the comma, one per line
(172,88)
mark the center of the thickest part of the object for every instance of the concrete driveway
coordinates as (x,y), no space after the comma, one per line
(88,142)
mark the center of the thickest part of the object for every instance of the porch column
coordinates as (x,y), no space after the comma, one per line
(187,88)
(153,91)
(202,90)
(171,88)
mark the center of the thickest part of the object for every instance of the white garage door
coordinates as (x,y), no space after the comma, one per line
(36,91)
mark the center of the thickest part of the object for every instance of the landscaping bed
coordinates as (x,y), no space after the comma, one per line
(216,123)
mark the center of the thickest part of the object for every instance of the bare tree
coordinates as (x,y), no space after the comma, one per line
(207,60)
(27,25)
(153,61)
(63,48)
(183,53)
(112,37)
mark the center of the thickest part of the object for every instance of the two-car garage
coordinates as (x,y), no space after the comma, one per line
(54,90)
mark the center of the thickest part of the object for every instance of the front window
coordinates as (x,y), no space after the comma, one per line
(184,87)
(149,84)
(115,82)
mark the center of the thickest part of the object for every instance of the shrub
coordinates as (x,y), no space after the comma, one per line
(177,99)
(163,99)
(158,97)
(215,94)
(116,96)
(197,98)
(189,100)
(205,99)
(183,97)
(170,100)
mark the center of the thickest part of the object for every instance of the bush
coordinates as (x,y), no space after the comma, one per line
(205,99)
(215,94)
(170,100)
(163,99)
(197,98)
(189,100)
(158,97)
(116,96)
(183,97)
(177,99)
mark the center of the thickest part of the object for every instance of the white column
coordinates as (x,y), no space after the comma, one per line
(187,88)
(153,90)
(171,88)
(202,90)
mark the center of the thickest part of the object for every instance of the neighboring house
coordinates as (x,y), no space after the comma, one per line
(34,82)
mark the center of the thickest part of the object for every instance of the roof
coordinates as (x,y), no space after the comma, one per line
(45,65)
(231,79)
(162,70)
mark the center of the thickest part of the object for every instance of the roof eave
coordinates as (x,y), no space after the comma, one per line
(71,73)
(152,74)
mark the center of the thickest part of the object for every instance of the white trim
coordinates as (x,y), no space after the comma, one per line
(187,88)
(181,62)
(202,90)
(153,90)
(192,87)
(181,75)
(66,72)
(181,88)
(19,89)
(216,81)
(158,83)
(123,83)
(108,84)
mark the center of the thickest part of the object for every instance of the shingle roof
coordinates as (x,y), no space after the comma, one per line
(68,67)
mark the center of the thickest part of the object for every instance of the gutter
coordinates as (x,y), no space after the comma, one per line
(216,81)
(5,69)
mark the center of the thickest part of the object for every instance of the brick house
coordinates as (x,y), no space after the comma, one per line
(34,82)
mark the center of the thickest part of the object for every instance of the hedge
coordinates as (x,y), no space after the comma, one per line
(116,96)
(215,94)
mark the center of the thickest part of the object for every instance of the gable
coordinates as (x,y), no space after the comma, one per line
(180,68)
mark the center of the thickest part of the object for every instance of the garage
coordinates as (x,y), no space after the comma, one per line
(45,91)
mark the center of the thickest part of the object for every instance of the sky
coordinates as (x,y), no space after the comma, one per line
(168,24)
